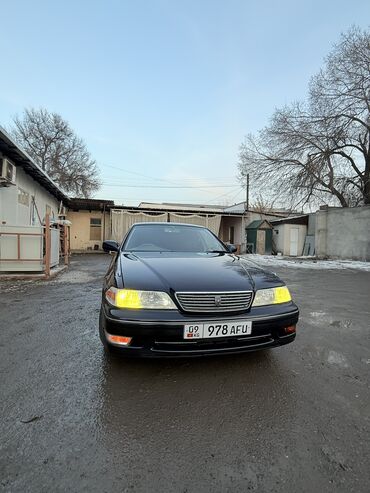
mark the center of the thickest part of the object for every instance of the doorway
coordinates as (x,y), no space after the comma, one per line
(231,234)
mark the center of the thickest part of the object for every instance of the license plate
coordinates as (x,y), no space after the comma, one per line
(218,329)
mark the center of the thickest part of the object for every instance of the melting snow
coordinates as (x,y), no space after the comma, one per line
(306,262)
(339,359)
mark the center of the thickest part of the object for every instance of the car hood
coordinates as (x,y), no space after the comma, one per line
(176,272)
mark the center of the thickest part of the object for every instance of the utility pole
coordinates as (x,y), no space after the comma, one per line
(246,207)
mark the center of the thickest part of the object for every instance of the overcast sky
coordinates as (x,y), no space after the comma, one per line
(164,91)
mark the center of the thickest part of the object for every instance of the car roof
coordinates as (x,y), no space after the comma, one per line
(157,223)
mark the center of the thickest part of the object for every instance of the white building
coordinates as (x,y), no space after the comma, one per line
(289,235)
(27,194)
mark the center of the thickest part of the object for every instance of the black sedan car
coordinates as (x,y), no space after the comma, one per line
(177,290)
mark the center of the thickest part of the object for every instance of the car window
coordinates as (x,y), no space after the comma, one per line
(171,239)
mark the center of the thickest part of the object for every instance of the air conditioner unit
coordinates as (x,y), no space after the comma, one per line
(8,171)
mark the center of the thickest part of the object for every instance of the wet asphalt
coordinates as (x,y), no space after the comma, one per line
(291,419)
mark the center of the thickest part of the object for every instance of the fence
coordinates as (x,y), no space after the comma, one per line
(122,220)
(32,248)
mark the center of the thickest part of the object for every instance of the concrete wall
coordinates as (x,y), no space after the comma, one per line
(343,233)
(80,229)
(13,213)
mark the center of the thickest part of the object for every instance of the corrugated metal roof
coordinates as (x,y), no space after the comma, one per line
(20,158)
(89,204)
(98,204)
(177,206)
(179,210)
(303,219)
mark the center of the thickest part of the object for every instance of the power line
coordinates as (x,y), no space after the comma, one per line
(139,174)
(227,193)
(167,186)
(162,179)
(189,181)
(237,193)
(155,178)
(140,199)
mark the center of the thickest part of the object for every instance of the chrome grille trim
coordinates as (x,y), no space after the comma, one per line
(231,301)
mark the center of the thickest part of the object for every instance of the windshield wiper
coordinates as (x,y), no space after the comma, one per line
(216,251)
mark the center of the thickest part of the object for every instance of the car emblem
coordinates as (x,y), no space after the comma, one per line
(218,300)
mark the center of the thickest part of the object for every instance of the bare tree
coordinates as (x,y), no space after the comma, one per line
(261,205)
(320,148)
(51,142)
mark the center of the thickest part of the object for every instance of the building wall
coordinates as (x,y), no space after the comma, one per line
(343,233)
(80,239)
(14,213)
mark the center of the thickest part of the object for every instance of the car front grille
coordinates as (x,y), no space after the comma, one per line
(231,301)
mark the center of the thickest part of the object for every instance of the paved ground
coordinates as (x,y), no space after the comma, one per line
(293,419)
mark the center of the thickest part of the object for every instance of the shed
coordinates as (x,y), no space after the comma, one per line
(259,236)
(290,234)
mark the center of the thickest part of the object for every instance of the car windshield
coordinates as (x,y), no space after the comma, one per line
(172,238)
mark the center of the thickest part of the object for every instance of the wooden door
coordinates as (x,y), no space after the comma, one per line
(294,233)
(261,241)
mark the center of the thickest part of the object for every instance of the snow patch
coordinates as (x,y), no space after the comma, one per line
(74,277)
(306,262)
(320,315)
(339,359)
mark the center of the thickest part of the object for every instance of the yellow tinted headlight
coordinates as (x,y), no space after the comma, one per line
(282,295)
(272,296)
(136,300)
(128,298)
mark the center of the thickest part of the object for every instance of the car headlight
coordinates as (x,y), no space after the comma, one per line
(272,296)
(131,298)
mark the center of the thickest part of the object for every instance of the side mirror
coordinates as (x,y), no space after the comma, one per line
(231,248)
(110,246)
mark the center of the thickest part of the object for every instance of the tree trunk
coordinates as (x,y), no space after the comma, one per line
(367,178)
(340,197)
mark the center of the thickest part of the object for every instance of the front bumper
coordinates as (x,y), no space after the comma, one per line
(160,333)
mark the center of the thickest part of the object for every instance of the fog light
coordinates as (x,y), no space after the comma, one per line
(121,340)
(290,329)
